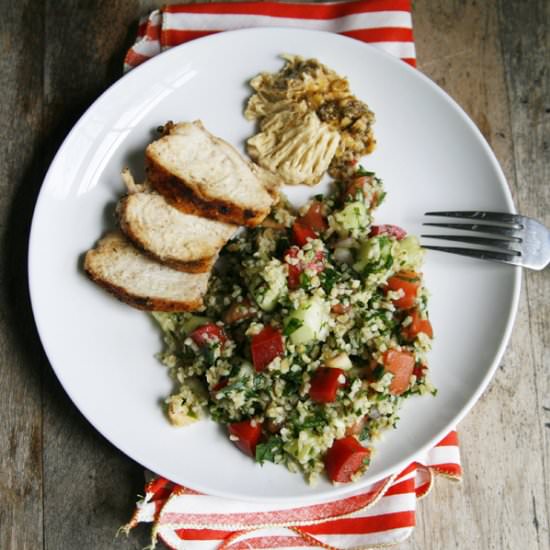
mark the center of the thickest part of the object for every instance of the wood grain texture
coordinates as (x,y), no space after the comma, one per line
(527,60)
(20,356)
(486,56)
(61,484)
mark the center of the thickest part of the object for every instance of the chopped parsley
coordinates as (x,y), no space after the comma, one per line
(362,172)
(378,372)
(266,452)
(365,434)
(317,419)
(292,326)
(329,277)
(305,281)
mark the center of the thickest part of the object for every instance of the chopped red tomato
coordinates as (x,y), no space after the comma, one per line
(265,346)
(220,385)
(418,371)
(314,218)
(418,325)
(301,233)
(295,270)
(324,384)
(293,276)
(248,433)
(386,229)
(357,184)
(409,283)
(318,264)
(401,365)
(208,334)
(345,458)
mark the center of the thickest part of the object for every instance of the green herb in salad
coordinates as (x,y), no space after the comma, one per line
(317,331)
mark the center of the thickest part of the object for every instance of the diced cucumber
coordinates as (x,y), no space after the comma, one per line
(353,216)
(374,253)
(409,253)
(265,297)
(312,320)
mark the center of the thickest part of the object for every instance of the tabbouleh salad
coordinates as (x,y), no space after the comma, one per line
(315,329)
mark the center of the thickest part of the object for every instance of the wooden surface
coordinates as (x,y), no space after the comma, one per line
(62,486)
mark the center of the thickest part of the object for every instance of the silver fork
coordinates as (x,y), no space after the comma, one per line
(511,239)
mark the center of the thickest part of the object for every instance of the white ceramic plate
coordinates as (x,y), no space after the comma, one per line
(430,156)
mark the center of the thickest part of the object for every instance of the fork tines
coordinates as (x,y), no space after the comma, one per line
(503,231)
(502,217)
(505,227)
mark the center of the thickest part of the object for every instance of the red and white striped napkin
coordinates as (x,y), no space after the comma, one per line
(385,24)
(381,514)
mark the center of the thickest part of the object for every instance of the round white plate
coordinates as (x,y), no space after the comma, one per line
(430,156)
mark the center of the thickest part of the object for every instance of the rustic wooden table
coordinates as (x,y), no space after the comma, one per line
(62,486)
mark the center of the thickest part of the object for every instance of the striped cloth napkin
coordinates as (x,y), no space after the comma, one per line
(381,514)
(386,24)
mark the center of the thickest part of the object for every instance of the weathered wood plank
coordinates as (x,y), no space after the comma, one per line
(502,502)
(20,355)
(527,62)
